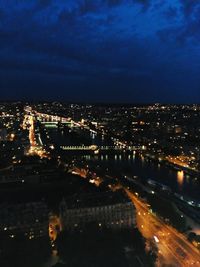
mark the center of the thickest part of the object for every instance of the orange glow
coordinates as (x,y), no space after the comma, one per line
(180,177)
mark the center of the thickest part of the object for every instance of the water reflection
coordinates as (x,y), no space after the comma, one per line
(179,182)
(142,159)
(87,157)
(180,178)
(54,259)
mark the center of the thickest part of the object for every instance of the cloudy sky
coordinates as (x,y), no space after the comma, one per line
(100,50)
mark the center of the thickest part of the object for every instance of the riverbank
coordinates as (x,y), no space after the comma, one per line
(172,165)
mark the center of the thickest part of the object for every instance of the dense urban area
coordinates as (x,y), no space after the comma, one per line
(99,185)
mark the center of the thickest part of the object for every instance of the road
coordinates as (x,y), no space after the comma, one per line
(35,149)
(173,247)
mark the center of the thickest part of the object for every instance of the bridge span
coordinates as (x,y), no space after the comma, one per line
(103,148)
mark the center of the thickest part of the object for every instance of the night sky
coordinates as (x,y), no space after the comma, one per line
(100,50)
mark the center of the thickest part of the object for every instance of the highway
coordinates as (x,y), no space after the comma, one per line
(173,247)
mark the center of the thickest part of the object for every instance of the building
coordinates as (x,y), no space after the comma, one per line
(3,134)
(109,209)
(29,219)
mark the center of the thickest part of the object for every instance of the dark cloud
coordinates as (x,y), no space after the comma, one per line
(190,32)
(144,3)
(2,14)
(91,6)
(6,38)
(189,6)
(68,16)
(85,7)
(171,13)
(88,6)
(52,68)
(114,2)
(167,34)
(44,3)
(87,44)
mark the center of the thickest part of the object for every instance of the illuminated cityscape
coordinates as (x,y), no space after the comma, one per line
(99,133)
(71,171)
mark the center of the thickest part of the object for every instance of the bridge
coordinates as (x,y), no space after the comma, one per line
(53,121)
(55,124)
(51,118)
(103,148)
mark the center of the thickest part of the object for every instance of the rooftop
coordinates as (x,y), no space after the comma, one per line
(97,199)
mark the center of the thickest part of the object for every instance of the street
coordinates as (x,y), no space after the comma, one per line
(173,247)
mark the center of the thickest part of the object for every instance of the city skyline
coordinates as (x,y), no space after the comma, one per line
(99,133)
(125,175)
(100,51)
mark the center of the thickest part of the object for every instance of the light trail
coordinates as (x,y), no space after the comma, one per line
(174,247)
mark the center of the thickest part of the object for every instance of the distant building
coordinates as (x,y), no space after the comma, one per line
(30,219)
(3,134)
(110,209)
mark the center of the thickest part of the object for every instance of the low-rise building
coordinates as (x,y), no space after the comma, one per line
(110,209)
(30,219)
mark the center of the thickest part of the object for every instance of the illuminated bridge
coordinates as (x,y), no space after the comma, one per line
(52,121)
(51,118)
(104,148)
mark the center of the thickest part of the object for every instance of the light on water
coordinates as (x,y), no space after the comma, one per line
(180,177)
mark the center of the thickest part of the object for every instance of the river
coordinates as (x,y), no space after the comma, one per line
(133,164)
(137,165)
